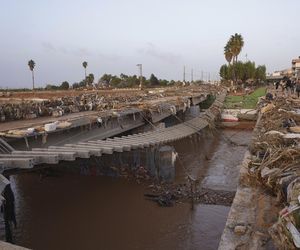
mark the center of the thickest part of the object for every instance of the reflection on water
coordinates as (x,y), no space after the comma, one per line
(96,212)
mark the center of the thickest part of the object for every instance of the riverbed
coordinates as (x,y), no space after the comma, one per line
(98,212)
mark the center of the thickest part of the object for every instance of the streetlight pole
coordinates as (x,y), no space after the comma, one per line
(141,74)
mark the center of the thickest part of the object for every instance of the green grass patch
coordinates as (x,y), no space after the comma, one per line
(245,101)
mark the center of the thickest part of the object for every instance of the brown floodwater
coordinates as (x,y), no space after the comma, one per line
(97,212)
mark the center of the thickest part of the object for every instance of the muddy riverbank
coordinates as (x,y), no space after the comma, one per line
(99,212)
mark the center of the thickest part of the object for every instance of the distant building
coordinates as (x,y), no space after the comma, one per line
(280,74)
(277,73)
(293,72)
(296,67)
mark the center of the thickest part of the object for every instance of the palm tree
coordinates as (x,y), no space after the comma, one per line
(228,54)
(85,64)
(31,65)
(236,44)
(232,49)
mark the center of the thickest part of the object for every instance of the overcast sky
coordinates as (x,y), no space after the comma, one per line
(114,35)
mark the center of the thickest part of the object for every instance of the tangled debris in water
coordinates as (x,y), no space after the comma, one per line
(169,194)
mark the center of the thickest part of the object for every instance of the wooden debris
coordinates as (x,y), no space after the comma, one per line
(275,165)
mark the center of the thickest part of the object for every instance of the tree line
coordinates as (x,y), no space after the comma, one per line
(243,71)
(107,80)
(122,81)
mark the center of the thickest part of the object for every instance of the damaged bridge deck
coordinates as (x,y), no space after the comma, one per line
(71,151)
(86,109)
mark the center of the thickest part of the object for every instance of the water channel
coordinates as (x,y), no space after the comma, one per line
(75,211)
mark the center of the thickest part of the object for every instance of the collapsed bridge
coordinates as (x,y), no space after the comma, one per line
(11,158)
(69,152)
(14,159)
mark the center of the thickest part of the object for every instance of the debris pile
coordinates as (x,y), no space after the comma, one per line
(18,109)
(28,109)
(275,164)
(167,195)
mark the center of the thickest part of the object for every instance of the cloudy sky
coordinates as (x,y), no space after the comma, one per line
(163,35)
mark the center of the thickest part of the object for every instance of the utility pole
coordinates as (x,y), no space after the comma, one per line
(192,76)
(183,74)
(209,77)
(201,75)
(141,75)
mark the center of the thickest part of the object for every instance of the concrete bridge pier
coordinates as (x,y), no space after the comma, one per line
(159,161)
(194,111)
(166,157)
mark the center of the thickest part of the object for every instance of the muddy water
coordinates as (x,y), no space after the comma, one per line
(96,212)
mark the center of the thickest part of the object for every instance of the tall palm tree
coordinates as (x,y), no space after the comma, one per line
(232,50)
(228,54)
(236,44)
(31,65)
(85,64)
